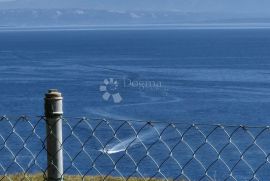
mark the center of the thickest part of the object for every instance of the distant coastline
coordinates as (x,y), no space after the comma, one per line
(140,27)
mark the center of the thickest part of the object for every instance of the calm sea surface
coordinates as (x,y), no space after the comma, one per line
(220,76)
(202,76)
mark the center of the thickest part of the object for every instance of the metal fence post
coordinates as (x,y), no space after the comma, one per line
(53,114)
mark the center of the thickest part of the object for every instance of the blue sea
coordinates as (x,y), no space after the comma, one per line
(204,76)
(209,76)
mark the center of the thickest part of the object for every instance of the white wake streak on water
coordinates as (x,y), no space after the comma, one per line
(123,145)
(119,147)
(112,113)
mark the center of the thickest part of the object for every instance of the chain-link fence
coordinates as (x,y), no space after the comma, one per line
(123,149)
(22,147)
(166,150)
(53,147)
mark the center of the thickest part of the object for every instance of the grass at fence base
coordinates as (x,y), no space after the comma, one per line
(40,177)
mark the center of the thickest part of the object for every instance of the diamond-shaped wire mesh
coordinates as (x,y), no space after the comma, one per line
(169,151)
(22,147)
(100,149)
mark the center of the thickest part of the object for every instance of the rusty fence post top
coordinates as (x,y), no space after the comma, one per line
(53,103)
(53,93)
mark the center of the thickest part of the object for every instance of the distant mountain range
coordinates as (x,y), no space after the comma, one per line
(74,17)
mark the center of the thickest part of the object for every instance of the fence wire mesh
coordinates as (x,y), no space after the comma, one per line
(101,149)
(22,147)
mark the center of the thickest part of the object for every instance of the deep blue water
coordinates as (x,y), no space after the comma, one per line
(205,75)
(202,76)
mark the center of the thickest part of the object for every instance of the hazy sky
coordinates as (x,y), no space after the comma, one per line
(236,6)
